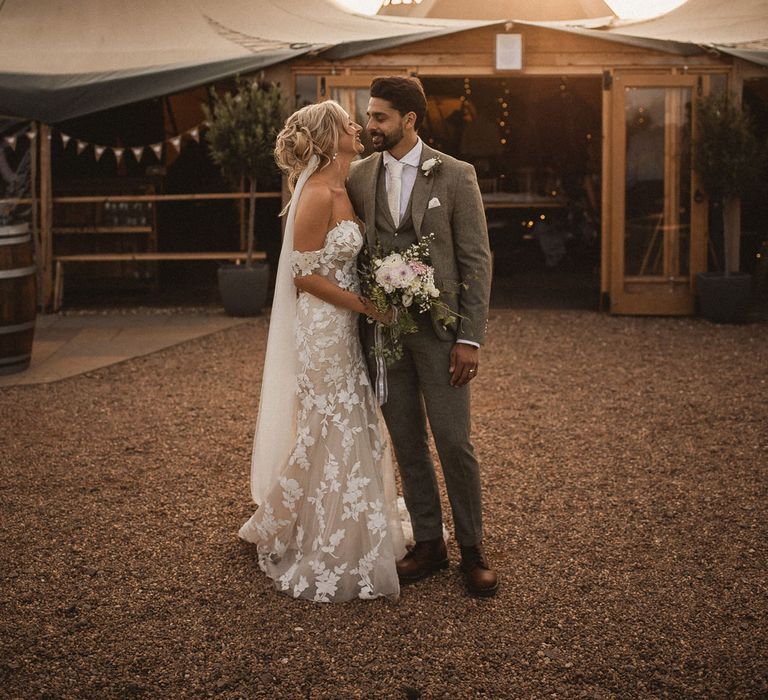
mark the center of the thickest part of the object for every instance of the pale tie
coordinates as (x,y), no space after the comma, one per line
(395,168)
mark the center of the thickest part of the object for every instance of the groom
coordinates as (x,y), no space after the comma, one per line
(403,192)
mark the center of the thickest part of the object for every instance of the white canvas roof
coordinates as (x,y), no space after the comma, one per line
(736,23)
(735,27)
(64,58)
(499,9)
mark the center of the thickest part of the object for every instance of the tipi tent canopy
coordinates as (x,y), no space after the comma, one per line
(60,59)
(734,22)
(499,9)
(737,27)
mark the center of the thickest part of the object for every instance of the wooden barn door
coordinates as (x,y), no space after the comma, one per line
(657,230)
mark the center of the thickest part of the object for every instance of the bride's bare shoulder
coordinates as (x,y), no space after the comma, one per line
(316,196)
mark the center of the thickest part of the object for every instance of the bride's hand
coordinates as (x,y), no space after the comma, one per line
(388,317)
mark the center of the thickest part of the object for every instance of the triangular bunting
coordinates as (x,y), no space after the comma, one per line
(118,153)
(176,142)
(31,134)
(81,146)
(137,151)
(11,141)
(158,149)
(99,151)
(65,139)
(195,133)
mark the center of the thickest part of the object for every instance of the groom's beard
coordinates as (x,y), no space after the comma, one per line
(387,141)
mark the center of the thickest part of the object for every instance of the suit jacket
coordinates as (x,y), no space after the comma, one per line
(459,251)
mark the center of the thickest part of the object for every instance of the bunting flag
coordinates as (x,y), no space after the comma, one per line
(119,151)
(31,134)
(11,141)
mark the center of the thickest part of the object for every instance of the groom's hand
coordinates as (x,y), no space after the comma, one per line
(465,360)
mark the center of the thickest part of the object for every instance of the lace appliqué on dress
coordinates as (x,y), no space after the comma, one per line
(329,529)
(305,263)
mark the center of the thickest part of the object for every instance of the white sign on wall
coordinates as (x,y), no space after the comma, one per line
(509,52)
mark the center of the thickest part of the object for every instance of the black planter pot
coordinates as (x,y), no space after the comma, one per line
(243,289)
(724,298)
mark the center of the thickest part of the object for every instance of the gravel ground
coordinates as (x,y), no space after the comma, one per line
(625,497)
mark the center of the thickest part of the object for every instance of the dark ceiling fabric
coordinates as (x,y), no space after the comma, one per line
(56,98)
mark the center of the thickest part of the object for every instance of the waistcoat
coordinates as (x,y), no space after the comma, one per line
(385,227)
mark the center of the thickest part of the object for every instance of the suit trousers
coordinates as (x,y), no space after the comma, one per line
(420,390)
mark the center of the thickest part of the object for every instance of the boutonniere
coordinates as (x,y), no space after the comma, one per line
(431,166)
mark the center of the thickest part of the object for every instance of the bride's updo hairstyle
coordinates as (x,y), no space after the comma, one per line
(312,130)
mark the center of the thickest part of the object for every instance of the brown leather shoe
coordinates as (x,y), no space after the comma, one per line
(482,581)
(424,559)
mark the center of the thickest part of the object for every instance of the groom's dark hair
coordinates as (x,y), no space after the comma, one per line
(405,94)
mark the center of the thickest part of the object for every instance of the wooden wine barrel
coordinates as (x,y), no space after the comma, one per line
(18,302)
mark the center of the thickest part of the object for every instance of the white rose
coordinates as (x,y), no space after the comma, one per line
(392,260)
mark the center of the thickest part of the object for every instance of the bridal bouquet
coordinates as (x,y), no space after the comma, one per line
(403,281)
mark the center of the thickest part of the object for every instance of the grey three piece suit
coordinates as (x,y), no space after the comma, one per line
(461,257)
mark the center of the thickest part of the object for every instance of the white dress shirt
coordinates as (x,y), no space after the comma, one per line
(410,163)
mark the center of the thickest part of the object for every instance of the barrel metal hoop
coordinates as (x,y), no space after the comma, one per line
(17,272)
(17,328)
(15,240)
(22,363)
(16,359)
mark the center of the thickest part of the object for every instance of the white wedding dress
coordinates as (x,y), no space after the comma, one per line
(328,528)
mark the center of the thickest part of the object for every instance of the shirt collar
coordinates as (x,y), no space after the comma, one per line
(413,157)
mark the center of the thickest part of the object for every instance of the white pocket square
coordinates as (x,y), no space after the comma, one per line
(434,202)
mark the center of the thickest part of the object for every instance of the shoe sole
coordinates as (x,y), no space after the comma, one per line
(413,579)
(483,592)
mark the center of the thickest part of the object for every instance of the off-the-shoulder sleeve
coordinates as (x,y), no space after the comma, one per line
(305,263)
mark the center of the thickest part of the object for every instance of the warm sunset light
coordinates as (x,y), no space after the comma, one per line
(629,9)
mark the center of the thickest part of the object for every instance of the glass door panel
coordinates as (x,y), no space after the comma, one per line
(657,182)
(652,210)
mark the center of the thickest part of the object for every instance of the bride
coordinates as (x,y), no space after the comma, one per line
(327,526)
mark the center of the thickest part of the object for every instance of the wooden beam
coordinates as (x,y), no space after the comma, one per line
(139,257)
(46,217)
(96,199)
(606,213)
(34,154)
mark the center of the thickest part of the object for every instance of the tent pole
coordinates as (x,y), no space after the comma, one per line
(46,216)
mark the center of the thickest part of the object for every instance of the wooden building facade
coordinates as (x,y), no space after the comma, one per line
(568,131)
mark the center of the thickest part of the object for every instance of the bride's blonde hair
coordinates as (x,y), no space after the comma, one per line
(312,130)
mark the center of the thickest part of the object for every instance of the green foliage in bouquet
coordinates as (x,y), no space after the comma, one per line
(424,296)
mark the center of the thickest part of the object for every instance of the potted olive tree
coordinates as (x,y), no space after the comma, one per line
(241,137)
(728,157)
